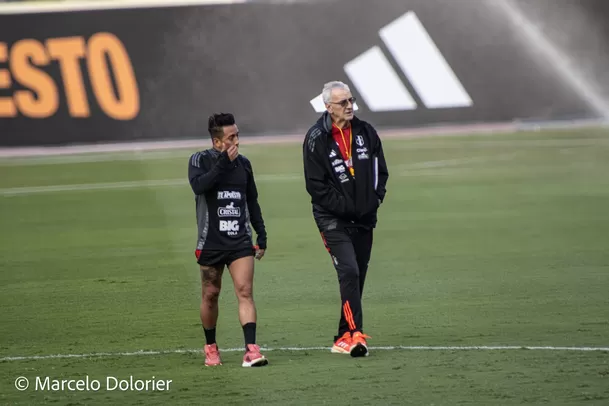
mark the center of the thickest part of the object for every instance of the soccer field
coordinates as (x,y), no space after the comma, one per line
(500,242)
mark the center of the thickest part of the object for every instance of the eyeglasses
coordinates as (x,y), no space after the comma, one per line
(344,103)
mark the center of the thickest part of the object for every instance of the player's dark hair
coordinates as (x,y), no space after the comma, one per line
(218,120)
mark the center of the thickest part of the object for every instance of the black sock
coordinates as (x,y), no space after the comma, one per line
(210,335)
(249,333)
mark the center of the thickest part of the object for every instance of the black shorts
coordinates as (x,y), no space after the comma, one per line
(221,258)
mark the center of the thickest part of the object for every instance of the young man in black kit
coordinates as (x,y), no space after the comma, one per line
(226,202)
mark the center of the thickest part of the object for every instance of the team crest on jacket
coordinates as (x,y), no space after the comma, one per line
(359,140)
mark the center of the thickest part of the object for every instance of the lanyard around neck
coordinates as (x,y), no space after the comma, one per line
(348,148)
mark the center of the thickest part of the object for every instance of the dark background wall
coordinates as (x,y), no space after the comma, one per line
(265,61)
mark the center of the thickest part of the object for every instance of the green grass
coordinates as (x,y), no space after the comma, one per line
(482,241)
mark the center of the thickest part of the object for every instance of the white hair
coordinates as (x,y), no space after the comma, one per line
(326,93)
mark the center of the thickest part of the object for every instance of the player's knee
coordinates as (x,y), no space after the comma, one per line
(211,294)
(244,292)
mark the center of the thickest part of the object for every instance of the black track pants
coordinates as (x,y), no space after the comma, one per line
(350,250)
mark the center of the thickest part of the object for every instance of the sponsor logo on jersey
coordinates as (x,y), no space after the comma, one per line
(231,227)
(229,211)
(223,194)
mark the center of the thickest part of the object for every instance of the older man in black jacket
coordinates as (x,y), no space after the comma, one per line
(346,175)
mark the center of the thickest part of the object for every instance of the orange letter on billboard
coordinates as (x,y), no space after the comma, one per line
(47,102)
(125,103)
(68,52)
(7,107)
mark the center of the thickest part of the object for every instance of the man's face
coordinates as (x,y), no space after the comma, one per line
(341,104)
(229,138)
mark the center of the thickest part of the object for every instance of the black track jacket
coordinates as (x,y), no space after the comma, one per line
(339,199)
(226,200)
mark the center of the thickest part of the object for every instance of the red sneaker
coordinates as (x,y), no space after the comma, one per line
(343,344)
(360,347)
(212,356)
(253,358)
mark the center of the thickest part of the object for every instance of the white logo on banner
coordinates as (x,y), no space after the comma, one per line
(418,56)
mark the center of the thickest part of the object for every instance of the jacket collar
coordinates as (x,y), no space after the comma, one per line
(325,122)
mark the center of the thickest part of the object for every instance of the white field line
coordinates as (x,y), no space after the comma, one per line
(77,158)
(137,146)
(95,157)
(402,170)
(90,186)
(177,149)
(37,7)
(397,133)
(521,143)
(125,185)
(168,154)
(269,349)
(443,163)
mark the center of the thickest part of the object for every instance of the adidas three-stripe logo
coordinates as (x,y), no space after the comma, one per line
(417,55)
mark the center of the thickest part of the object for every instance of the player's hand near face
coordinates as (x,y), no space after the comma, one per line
(232,151)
